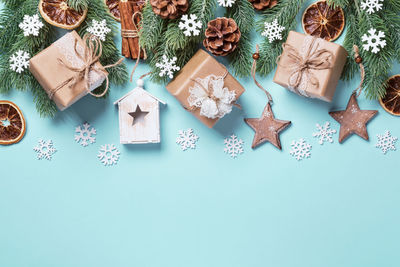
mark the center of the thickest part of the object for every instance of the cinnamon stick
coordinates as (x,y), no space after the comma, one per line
(130,42)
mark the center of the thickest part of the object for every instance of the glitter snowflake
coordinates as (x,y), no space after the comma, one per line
(31,25)
(301,149)
(85,134)
(190,25)
(386,142)
(374,40)
(45,149)
(324,133)
(99,29)
(187,139)
(19,61)
(371,5)
(273,31)
(108,155)
(226,3)
(167,67)
(233,146)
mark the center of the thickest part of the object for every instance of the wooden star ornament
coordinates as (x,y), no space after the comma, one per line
(267,128)
(353,120)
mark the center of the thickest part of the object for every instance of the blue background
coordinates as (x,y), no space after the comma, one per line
(161,206)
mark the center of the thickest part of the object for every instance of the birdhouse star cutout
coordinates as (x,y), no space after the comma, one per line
(139,116)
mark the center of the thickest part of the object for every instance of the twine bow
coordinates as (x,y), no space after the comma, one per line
(90,56)
(302,62)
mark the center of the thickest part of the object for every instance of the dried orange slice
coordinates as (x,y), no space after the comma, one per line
(113,7)
(12,123)
(321,20)
(59,14)
(391,101)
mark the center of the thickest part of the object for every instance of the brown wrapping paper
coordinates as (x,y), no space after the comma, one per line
(200,66)
(327,78)
(50,73)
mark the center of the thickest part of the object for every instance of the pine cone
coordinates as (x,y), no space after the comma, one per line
(169,9)
(222,36)
(263,4)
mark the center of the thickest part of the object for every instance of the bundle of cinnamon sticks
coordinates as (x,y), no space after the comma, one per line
(130,26)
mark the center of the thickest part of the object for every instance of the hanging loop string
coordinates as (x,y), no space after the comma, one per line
(256,56)
(358,60)
(91,55)
(135,34)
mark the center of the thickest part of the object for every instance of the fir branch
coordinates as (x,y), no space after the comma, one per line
(352,37)
(285,12)
(152,27)
(78,5)
(241,59)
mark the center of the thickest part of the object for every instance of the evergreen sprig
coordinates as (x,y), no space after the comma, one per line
(12,40)
(377,66)
(241,59)
(285,12)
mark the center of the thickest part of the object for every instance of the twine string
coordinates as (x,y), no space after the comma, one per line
(91,55)
(253,74)
(359,89)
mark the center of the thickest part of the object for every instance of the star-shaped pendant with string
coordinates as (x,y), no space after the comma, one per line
(138,115)
(353,120)
(267,128)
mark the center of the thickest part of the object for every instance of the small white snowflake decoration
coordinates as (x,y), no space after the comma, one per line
(31,25)
(108,154)
(324,133)
(300,149)
(273,31)
(85,134)
(226,3)
(167,67)
(45,149)
(99,29)
(371,6)
(233,146)
(187,139)
(190,25)
(374,41)
(386,142)
(19,61)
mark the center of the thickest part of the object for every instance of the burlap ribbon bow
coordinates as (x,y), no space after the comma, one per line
(91,55)
(302,61)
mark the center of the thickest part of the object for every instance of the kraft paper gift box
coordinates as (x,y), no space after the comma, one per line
(204,67)
(57,79)
(310,66)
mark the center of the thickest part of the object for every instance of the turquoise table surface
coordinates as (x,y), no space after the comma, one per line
(162,207)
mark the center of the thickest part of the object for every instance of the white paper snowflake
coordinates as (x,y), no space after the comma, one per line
(108,154)
(19,61)
(45,149)
(226,3)
(31,25)
(85,134)
(273,31)
(371,5)
(300,149)
(374,40)
(386,142)
(99,29)
(233,146)
(167,67)
(187,139)
(324,133)
(190,25)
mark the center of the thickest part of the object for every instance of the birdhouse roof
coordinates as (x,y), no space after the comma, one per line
(135,90)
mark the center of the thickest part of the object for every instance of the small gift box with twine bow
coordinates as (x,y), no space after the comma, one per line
(70,68)
(206,88)
(310,66)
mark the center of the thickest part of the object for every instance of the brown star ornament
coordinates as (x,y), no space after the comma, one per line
(353,120)
(267,128)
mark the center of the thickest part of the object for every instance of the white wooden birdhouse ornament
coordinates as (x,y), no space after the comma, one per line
(139,116)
